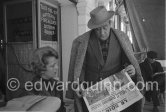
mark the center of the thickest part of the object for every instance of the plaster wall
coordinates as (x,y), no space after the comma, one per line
(69,33)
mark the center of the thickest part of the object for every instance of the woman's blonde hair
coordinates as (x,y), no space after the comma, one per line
(39,59)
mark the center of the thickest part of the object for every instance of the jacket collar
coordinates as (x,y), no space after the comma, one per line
(94,43)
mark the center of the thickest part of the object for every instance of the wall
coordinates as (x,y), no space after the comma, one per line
(84,7)
(69,33)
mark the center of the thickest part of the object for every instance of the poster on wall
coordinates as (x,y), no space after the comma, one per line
(47,21)
(48,16)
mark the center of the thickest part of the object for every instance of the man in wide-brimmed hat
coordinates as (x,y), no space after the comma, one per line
(99,53)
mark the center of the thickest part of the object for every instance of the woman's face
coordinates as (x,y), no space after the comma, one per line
(51,68)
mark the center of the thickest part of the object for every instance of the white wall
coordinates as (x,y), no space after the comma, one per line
(84,7)
(69,33)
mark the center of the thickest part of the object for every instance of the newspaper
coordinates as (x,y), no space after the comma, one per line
(113,94)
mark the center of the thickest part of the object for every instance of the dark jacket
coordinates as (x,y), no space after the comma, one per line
(146,70)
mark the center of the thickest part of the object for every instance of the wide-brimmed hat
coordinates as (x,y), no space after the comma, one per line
(99,16)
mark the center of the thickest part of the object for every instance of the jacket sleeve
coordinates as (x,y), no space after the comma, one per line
(139,77)
(69,91)
(159,67)
(128,42)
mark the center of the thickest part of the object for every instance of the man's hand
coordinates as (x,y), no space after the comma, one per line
(79,91)
(79,94)
(130,70)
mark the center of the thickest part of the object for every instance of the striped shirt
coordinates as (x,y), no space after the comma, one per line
(104,45)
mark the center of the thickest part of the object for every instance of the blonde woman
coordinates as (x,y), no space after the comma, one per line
(45,70)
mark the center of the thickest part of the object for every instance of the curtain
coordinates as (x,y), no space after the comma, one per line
(136,23)
(147,18)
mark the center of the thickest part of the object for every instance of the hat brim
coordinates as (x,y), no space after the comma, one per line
(93,25)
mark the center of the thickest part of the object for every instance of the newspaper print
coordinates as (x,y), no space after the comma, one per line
(112,94)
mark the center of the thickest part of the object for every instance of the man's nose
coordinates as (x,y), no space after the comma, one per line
(102,32)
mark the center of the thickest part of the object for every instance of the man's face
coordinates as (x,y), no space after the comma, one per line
(104,31)
(151,60)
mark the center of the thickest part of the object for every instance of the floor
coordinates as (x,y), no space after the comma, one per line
(149,106)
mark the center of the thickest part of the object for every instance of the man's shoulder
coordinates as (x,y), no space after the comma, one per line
(120,34)
(158,63)
(118,31)
(83,37)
